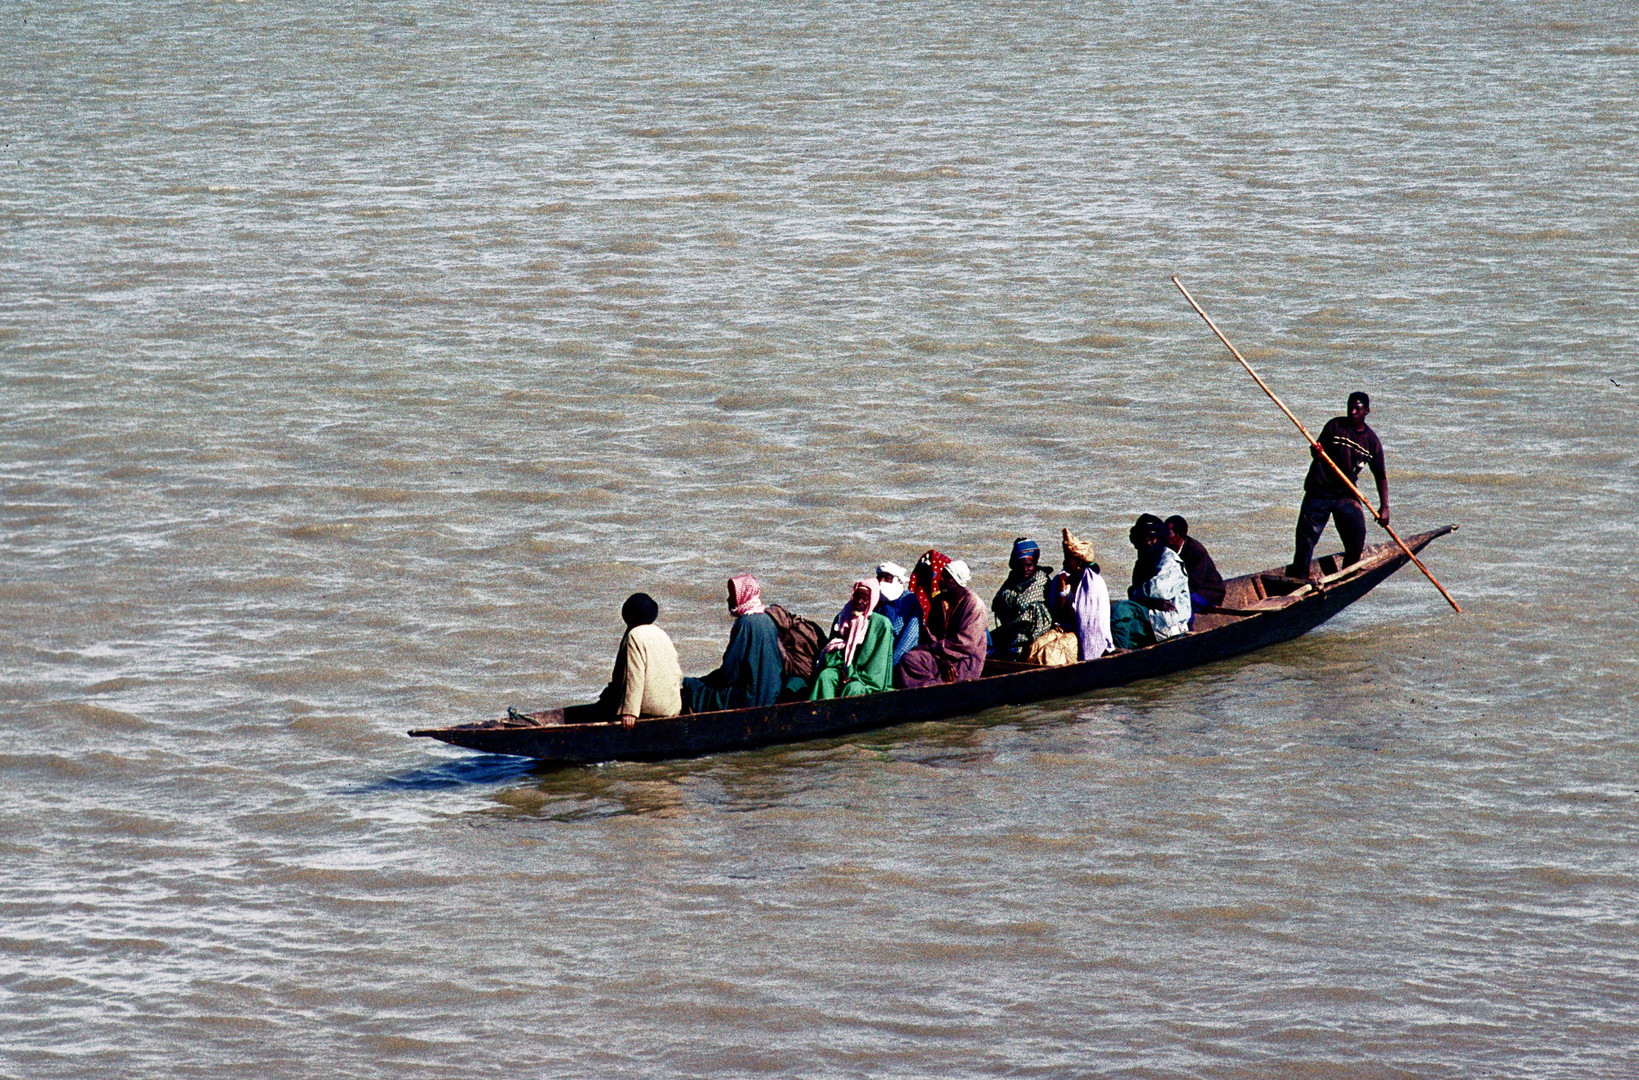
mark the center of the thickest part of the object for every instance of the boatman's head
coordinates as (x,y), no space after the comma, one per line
(1361,401)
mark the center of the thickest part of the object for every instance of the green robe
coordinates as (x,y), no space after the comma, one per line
(751,673)
(871,671)
(1129,626)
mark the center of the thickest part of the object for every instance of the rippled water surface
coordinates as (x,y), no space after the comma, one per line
(356,363)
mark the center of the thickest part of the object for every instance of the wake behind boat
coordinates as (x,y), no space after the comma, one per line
(1258,609)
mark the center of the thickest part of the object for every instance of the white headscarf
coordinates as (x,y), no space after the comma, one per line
(959,572)
(892,590)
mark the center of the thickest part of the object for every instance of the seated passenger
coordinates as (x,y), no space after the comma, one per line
(1158,608)
(1144,565)
(1020,605)
(1081,601)
(646,679)
(752,672)
(900,607)
(1206,585)
(858,658)
(925,581)
(954,641)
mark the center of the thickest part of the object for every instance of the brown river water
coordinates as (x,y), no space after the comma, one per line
(356,362)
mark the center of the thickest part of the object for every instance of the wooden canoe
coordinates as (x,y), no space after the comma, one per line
(1259,609)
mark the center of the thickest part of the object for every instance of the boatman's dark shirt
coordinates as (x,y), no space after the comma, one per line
(1351,449)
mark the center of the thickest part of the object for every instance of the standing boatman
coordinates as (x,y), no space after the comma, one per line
(1351,444)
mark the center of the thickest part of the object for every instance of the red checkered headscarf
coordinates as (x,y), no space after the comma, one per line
(923,578)
(748,595)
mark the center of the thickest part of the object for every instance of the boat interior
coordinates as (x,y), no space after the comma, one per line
(1249,594)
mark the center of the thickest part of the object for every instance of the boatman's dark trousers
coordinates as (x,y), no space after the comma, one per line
(1346,513)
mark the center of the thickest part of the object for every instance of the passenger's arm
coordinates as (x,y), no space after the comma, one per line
(1141,595)
(909,635)
(631,703)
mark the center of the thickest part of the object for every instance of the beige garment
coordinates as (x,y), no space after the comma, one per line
(654,679)
(1055,648)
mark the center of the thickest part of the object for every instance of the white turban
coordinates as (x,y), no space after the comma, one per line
(893,590)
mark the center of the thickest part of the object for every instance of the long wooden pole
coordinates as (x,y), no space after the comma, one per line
(1324,456)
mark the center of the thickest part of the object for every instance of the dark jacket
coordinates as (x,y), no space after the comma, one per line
(1204,579)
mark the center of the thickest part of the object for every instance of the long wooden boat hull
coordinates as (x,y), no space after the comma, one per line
(1260,609)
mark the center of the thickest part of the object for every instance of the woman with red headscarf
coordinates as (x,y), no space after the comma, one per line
(859,657)
(954,640)
(752,672)
(925,580)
